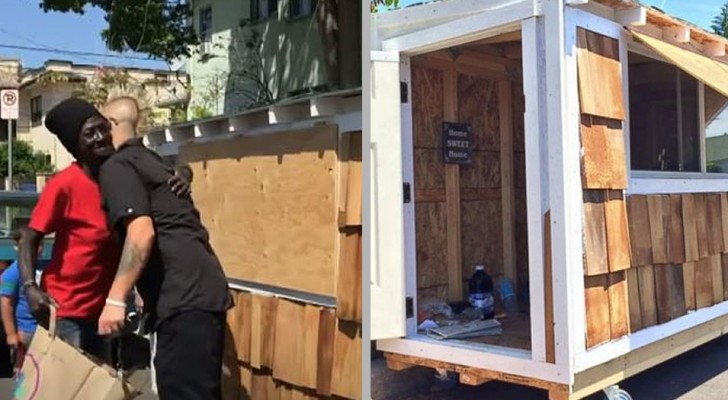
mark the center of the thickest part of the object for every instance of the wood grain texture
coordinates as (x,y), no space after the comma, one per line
(311,334)
(427,107)
(350,206)
(326,340)
(701,222)
(599,74)
(618,246)
(714,224)
(604,164)
(689,285)
(618,304)
(268,203)
(349,286)
(507,181)
(639,230)
(724,218)
(262,326)
(431,239)
(598,325)
(595,234)
(452,199)
(429,170)
(290,342)
(346,380)
(676,238)
(703,283)
(716,266)
(483,173)
(478,104)
(657,229)
(648,298)
(243,345)
(690,228)
(670,292)
(482,219)
(724,264)
(633,292)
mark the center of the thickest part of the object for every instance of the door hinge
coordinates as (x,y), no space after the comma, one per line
(407,190)
(409,306)
(403,92)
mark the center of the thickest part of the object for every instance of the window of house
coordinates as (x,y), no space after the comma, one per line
(301,8)
(36,110)
(664,119)
(715,108)
(263,9)
(206,24)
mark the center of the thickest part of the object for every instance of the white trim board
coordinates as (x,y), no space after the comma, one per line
(657,185)
(508,361)
(469,29)
(609,351)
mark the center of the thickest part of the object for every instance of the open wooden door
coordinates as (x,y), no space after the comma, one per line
(386,199)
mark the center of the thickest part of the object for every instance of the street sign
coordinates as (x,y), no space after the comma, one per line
(9,104)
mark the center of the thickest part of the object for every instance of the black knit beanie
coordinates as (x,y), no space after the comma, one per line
(66,119)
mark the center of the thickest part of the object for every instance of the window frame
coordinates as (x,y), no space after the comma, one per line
(206,36)
(312,4)
(255,8)
(634,47)
(36,116)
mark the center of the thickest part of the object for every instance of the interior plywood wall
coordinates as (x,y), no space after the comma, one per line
(441,87)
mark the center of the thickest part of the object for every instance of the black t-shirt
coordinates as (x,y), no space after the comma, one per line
(183,272)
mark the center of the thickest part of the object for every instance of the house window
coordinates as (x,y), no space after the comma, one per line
(206,24)
(36,110)
(263,9)
(715,108)
(664,119)
(301,8)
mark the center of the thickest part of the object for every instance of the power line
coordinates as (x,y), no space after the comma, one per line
(74,53)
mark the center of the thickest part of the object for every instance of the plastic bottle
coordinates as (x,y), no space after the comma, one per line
(480,290)
(508,296)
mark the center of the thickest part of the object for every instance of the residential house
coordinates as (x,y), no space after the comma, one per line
(260,52)
(158,91)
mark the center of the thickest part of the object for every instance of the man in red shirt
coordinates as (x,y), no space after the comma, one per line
(85,253)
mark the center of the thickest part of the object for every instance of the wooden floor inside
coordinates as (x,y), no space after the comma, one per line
(516,334)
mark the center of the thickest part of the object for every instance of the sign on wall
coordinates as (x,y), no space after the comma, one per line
(457,143)
(9,104)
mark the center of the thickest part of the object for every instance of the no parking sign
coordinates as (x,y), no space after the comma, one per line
(9,104)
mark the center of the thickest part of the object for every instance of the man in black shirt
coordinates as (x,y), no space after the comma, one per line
(167,255)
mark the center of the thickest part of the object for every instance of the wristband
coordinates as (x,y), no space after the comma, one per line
(115,303)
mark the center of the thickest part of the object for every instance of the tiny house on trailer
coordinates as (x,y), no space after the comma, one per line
(592,175)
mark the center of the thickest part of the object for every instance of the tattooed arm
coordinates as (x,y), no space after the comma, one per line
(138,244)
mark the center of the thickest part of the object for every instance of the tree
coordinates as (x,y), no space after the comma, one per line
(387,3)
(159,28)
(27,163)
(720,22)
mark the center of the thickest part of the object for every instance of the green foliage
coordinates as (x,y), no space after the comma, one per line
(386,3)
(720,22)
(713,167)
(26,162)
(200,112)
(159,28)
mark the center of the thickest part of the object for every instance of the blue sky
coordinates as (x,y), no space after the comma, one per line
(23,23)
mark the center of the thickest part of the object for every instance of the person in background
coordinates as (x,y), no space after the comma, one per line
(167,255)
(18,321)
(85,252)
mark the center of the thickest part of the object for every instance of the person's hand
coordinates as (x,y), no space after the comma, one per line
(179,184)
(40,302)
(112,320)
(12,340)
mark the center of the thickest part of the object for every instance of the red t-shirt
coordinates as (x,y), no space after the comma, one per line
(85,253)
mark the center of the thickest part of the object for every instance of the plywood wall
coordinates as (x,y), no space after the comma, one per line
(269,203)
(447,90)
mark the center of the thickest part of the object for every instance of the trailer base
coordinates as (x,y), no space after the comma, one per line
(476,376)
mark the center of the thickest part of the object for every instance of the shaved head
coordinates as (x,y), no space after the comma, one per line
(123,110)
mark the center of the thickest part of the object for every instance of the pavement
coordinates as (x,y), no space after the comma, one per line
(701,374)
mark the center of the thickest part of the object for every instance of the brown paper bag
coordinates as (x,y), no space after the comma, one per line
(53,369)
